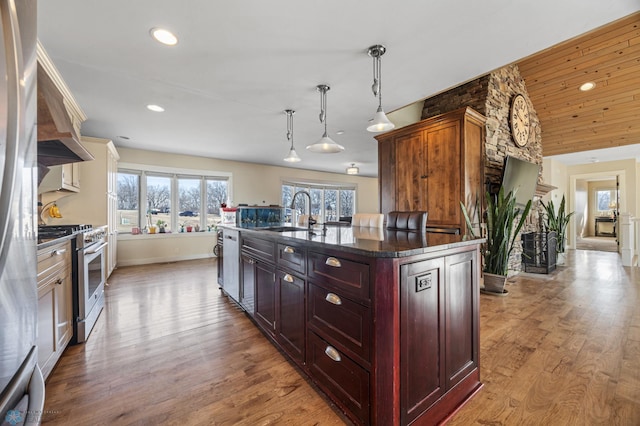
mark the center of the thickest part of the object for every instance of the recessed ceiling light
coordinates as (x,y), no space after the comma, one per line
(124,138)
(164,36)
(155,108)
(585,87)
(340,132)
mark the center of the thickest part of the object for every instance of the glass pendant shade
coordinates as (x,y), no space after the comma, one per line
(293,156)
(380,122)
(325,145)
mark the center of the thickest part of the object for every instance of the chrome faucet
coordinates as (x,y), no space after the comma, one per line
(293,205)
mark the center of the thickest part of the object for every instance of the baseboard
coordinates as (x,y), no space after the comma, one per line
(163,259)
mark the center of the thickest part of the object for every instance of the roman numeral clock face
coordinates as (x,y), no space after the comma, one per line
(519,119)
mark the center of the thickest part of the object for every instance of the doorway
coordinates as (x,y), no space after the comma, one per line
(597,202)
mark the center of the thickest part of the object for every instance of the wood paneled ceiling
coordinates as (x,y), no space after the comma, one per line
(605,117)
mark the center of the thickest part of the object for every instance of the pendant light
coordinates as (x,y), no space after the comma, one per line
(293,155)
(380,122)
(325,145)
(353,170)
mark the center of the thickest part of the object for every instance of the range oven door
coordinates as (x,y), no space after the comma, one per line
(91,281)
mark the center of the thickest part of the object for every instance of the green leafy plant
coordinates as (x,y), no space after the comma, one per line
(504,220)
(557,222)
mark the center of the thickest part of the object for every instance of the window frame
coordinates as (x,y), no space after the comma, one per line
(204,176)
(323,186)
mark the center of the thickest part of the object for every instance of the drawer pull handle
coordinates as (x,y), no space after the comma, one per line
(58,252)
(333,298)
(288,278)
(289,250)
(59,281)
(332,261)
(333,353)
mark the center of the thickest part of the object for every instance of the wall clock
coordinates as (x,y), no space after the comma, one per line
(519,120)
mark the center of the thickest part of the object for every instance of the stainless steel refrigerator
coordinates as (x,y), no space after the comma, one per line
(21,383)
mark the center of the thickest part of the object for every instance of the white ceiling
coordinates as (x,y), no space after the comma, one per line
(239,64)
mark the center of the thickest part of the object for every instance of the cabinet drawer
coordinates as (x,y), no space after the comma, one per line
(53,258)
(345,380)
(291,257)
(341,275)
(340,321)
(257,247)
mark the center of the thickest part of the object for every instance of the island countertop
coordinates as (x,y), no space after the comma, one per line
(371,242)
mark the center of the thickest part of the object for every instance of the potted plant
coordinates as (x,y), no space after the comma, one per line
(504,219)
(161,224)
(557,222)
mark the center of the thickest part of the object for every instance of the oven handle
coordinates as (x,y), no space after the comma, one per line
(93,250)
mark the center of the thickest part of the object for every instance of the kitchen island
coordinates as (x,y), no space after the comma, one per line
(386,323)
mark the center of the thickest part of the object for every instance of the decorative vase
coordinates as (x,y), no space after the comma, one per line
(494,284)
(561,258)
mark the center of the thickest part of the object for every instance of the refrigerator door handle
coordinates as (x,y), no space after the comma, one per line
(12,51)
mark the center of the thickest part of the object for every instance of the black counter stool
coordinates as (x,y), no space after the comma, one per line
(407,221)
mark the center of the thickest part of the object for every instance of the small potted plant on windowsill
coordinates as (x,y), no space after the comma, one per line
(504,219)
(557,222)
(161,225)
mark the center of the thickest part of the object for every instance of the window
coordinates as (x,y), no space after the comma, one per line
(177,201)
(128,201)
(159,201)
(216,194)
(328,202)
(189,202)
(605,200)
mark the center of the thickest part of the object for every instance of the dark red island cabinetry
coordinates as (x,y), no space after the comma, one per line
(388,330)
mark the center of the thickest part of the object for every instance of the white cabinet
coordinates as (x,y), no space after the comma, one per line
(65,177)
(96,204)
(55,310)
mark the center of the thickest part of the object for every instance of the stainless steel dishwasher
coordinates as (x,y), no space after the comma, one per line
(231,263)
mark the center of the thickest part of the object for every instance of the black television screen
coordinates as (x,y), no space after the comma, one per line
(520,176)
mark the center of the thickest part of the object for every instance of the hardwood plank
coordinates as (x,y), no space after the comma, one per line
(169,349)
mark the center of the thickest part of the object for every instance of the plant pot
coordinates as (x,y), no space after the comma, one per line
(561,258)
(162,231)
(189,228)
(494,284)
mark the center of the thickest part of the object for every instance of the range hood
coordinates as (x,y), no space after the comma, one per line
(58,137)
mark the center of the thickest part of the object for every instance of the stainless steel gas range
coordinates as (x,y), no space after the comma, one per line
(89,273)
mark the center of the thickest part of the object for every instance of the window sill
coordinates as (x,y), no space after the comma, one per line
(201,234)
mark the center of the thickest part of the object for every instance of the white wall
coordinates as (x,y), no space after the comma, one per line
(251,184)
(582,207)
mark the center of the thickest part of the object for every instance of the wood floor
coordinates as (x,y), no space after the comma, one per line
(562,349)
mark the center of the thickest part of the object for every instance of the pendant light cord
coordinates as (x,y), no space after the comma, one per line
(290,126)
(377,78)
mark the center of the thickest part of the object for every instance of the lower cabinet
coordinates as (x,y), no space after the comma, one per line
(372,331)
(55,310)
(342,378)
(290,321)
(265,295)
(438,330)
